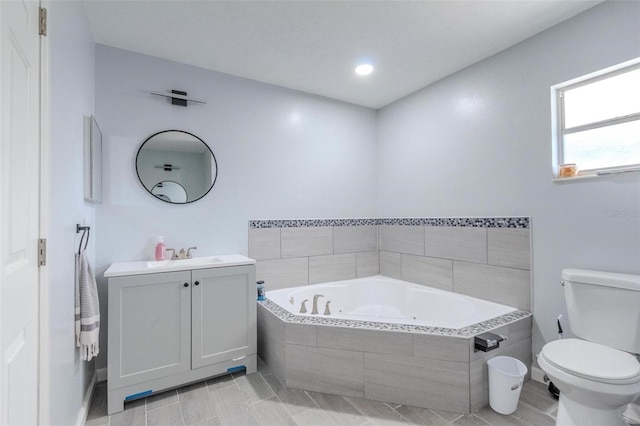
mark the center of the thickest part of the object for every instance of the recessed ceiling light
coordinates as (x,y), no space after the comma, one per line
(364,69)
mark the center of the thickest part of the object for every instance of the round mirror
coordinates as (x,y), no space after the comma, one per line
(172,192)
(176,166)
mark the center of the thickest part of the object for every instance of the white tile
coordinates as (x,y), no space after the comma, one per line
(456,242)
(314,417)
(264,243)
(271,412)
(402,239)
(166,415)
(253,387)
(134,414)
(420,416)
(325,370)
(282,273)
(421,382)
(379,341)
(269,323)
(335,267)
(161,399)
(510,247)
(508,286)
(306,241)
(273,352)
(271,338)
(300,334)
(232,407)
(447,348)
(378,412)
(341,412)
(351,239)
(294,400)
(367,264)
(429,271)
(196,403)
(391,264)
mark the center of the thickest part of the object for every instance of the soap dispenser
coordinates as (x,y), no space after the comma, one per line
(160,249)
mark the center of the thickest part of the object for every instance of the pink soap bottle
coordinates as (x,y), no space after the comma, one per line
(160,249)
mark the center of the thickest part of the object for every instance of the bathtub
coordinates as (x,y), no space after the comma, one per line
(388,300)
(388,340)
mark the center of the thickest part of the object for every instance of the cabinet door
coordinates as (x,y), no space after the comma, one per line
(223,314)
(149,327)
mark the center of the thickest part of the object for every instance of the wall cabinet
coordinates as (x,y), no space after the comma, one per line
(168,329)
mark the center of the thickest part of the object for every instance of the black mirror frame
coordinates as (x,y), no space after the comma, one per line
(215,178)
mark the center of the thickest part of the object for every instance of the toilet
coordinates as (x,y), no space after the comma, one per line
(597,373)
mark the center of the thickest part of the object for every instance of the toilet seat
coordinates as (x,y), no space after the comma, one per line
(592,361)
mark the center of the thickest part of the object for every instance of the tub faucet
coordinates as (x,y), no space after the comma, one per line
(303,308)
(314,311)
(326,308)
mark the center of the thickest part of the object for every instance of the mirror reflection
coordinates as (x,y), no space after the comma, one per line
(170,191)
(176,166)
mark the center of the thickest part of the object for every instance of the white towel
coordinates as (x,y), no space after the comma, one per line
(87,309)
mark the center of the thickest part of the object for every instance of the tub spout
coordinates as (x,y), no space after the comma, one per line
(326,308)
(303,308)
(314,311)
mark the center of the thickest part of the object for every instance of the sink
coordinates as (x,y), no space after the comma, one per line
(154,267)
(180,263)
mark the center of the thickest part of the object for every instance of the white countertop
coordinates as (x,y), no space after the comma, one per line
(153,267)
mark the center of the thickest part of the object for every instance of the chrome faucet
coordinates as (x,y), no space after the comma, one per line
(173,253)
(182,254)
(314,311)
(326,308)
(303,308)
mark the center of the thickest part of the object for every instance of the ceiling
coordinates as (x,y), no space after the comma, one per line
(314,46)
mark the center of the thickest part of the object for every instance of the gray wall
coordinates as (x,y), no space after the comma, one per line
(280,153)
(478,143)
(72,98)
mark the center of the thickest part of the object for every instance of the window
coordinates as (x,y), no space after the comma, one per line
(597,121)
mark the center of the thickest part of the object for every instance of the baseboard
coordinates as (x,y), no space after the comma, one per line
(86,401)
(102,374)
(537,375)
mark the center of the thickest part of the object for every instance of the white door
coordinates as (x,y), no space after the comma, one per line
(19,210)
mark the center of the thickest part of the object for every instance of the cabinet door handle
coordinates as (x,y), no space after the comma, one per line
(186,284)
(197,283)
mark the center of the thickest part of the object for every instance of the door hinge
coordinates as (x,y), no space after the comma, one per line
(43,21)
(42,252)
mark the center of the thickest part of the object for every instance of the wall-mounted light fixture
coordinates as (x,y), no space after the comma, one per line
(178,97)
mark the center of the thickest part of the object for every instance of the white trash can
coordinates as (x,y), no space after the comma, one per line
(506,376)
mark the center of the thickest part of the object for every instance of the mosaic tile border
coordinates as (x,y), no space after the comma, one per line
(299,223)
(476,222)
(466,332)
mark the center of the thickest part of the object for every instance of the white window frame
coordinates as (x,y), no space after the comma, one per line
(557,119)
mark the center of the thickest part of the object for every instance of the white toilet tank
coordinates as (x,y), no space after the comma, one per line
(604,307)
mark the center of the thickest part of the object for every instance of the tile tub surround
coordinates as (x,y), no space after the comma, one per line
(489,258)
(427,367)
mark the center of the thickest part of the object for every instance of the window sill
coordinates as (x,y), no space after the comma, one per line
(594,175)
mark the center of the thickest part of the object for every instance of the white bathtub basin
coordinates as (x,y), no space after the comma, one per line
(383,299)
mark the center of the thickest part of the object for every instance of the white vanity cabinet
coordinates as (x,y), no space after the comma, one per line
(167,329)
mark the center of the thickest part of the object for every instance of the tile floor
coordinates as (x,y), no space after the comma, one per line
(260,399)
